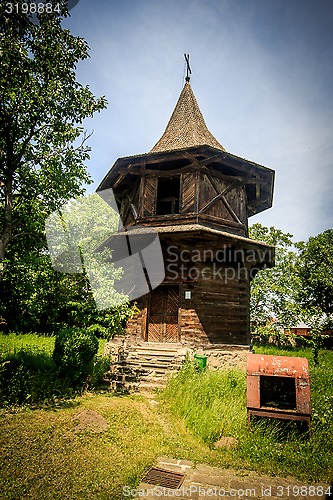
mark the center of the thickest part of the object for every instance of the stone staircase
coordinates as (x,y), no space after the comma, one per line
(145,366)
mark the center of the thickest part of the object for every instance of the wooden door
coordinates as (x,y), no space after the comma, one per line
(163,314)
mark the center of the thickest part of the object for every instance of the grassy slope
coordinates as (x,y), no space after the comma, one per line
(42,457)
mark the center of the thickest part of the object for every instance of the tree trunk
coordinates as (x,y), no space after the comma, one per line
(7,229)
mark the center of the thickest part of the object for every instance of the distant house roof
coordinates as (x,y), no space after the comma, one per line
(186,127)
(301,325)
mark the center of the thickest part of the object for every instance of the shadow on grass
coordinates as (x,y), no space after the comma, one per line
(283,430)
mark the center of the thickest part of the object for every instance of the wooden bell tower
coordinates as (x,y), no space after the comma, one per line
(198,197)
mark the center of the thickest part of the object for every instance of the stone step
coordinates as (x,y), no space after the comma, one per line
(158,345)
(150,386)
(157,356)
(130,366)
(146,366)
(158,350)
(150,379)
(140,370)
(151,366)
(154,361)
(154,357)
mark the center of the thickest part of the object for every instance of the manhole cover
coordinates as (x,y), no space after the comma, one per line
(165,478)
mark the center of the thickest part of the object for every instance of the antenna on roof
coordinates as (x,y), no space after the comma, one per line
(188,69)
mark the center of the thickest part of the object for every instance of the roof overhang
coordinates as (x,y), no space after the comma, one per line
(263,254)
(259,180)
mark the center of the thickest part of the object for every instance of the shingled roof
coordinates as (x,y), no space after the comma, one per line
(186,127)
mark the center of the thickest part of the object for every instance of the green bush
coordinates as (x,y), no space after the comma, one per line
(100,331)
(29,375)
(96,380)
(74,351)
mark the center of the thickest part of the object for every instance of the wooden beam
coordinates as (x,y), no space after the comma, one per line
(120,178)
(206,161)
(225,201)
(131,205)
(161,173)
(214,200)
(232,212)
(194,168)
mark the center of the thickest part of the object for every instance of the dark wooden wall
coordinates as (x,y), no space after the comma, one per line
(217,313)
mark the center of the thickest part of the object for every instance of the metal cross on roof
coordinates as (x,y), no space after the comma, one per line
(188,69)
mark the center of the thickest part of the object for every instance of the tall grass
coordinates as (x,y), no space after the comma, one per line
(45,343)
(213,404)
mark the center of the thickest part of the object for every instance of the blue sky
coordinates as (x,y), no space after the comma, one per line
(262,72)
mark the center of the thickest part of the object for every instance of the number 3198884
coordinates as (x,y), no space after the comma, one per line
(32,8)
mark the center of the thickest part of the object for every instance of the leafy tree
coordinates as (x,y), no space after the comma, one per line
(274,291)
(45,300)
(315,271)
(315,293)
(37,298)
(42,142)
(42,165)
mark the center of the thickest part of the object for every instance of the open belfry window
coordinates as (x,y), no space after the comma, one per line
(168,194)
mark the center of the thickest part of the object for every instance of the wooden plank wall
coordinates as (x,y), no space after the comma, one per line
(148,196)
(197,190)
(217,312)
(188,192)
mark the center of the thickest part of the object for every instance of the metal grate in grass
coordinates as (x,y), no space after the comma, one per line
(164,478)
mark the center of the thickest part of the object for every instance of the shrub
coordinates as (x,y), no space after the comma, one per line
(100,331)
(74,351)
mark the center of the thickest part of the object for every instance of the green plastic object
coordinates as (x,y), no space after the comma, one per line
(201,360)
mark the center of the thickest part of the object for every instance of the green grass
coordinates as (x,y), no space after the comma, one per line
(41,456)
(46,344)
(58,463)
(213,404)
(28,373)
(13,341)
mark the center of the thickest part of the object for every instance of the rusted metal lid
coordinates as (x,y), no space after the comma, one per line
(282,366)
